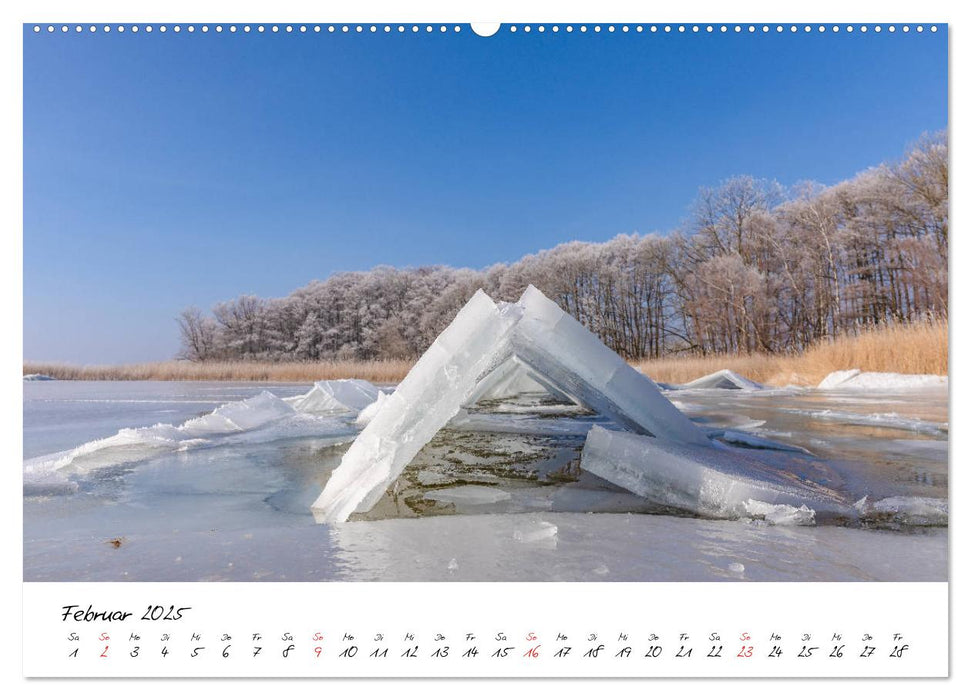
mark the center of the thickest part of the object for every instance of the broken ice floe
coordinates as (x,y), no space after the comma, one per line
(720,483)
(371,410)
(482,352)
(723,379)
(336,396)
(260,418)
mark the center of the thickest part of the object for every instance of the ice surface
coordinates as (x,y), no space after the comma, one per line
(336,396)
(723,379)
(881,381)
(620,547)
(703,480)
(239,511)
(433,392)
(879,420)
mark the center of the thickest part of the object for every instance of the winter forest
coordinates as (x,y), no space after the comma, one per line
(755,268)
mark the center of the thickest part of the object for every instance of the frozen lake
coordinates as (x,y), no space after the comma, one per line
(481,502)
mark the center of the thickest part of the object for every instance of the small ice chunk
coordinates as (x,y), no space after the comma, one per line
(737,567)
(780,514)
(601,570)
(453,565)
(468,495)
(540,532)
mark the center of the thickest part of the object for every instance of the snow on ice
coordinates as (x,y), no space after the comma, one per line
(849,379)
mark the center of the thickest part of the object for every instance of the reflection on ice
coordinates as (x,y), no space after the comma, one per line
(603,546)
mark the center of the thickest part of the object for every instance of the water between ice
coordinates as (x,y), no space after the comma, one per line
(239,509)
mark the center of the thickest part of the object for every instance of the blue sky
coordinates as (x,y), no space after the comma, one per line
(165,170)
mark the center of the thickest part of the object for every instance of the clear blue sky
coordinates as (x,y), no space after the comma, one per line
(165,170)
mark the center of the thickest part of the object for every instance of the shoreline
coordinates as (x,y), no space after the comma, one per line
(913,348)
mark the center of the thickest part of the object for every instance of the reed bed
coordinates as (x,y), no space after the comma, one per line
(377,371)
(914,348)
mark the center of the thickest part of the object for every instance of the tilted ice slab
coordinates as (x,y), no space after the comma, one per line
(881,381)
(432,393)
(576,361)
(723,379)
(483,345)
(336,396)
(719,483)
(262,418)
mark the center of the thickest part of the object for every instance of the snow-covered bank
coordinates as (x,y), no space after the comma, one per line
(854,379)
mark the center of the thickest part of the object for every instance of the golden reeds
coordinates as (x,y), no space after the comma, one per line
(914,348)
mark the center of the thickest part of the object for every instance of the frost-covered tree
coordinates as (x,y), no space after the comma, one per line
(754,268)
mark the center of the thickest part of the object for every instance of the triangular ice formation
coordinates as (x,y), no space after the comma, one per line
(723,379)
(486,349)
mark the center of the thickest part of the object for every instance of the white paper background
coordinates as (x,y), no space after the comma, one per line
(506,11)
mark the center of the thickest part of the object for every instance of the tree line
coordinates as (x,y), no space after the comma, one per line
(755,268)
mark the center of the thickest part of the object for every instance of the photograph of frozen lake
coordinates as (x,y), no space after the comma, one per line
(401,305)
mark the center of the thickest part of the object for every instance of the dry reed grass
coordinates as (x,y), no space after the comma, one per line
(916,348)
(377,371)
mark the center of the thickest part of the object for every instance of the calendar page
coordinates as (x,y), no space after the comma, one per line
(524,349)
